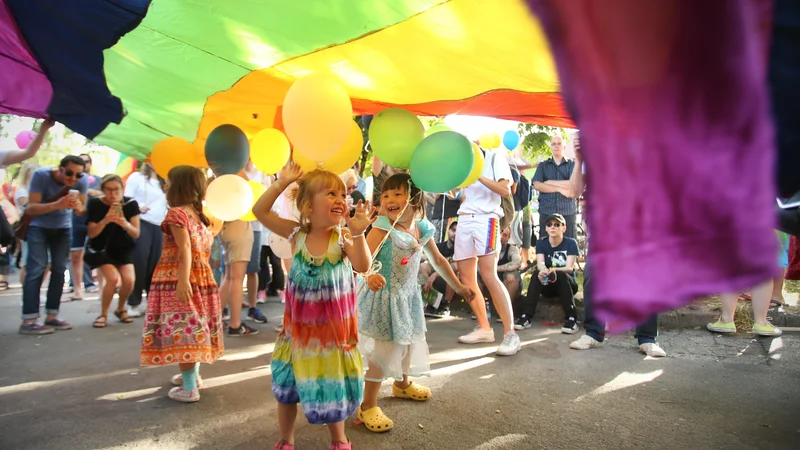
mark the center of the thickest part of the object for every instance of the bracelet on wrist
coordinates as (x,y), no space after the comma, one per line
(357,235)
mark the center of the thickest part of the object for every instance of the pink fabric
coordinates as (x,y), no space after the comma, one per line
(24,88)
(671,101)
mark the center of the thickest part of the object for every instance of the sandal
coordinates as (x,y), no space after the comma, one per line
(3,286)
(413,391)
(123,316)
(375,420)
(775,303)
(100,322)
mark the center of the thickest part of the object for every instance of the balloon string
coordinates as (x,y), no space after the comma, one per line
(376,265)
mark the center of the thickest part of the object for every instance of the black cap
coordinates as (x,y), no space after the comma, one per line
(557,217)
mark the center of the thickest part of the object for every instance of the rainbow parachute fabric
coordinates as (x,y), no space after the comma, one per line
(181,68)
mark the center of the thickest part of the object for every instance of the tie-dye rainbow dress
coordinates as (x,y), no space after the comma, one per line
(316,361)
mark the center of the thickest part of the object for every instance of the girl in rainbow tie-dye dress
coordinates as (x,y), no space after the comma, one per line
(316,361)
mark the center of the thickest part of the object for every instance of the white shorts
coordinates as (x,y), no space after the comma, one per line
(476,235)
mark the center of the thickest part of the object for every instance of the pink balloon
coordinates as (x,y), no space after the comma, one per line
(24,138)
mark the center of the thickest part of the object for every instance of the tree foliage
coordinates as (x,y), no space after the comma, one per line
(536,140)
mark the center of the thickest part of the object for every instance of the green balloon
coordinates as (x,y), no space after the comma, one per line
(442,161)
(394,134)
(437,128)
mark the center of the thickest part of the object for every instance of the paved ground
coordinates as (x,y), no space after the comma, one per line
(83,389)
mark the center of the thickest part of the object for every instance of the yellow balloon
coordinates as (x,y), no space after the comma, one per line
(199,156)
(316,115)
(229,197)
(477,168)
(486,140)
(269,150)
(258,190)
(170,152)
(495,141)
(342,160)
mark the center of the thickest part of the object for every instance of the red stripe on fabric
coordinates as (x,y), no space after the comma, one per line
(542,108)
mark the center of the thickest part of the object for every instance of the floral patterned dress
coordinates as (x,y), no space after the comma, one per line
(176,331)
(391,321)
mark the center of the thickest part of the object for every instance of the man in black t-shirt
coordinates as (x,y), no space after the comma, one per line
(555,260)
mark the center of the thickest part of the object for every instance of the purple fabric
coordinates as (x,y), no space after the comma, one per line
(24,89)
(671,101)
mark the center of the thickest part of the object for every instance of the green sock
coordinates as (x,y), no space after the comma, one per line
(189,379)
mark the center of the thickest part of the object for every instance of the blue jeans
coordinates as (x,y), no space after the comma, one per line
(41,242)
(645,333)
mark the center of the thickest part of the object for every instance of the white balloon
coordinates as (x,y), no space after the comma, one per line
(229,197)
(280,246)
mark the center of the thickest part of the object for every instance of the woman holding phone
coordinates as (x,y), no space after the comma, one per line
(113,225)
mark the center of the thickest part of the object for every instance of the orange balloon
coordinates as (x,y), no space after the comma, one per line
(171,152)
(216,224)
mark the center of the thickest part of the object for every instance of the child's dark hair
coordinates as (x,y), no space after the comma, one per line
(187,186)
(402,181)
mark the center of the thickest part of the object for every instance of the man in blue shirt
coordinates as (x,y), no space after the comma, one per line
(552,181)
(78,269)
(53,192)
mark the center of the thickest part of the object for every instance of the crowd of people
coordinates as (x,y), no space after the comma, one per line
(319,247)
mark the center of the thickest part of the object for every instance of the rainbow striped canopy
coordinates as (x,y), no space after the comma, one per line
(130,73)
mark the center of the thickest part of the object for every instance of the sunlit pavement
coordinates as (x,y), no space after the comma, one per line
(83,389)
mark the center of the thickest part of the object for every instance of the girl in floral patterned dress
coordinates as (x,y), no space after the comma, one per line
(316,361)
(184,322)
(391,319)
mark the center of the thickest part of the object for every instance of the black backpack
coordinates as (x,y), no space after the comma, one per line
(524,193)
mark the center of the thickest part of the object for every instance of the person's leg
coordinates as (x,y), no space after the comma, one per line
(59,243)
(564,288)
(591,324)
(127,275)
(777,288)
(572,226)
(725,322)
(141,256)
(468,272)
(111,276)
(511,283)
(528,303)
(263,264)
(761,297)
(76,272)
(372,386)
(234,274)
(526,244)
(337,433)
(252,289)
(647,331)
(287,416)
(35,266)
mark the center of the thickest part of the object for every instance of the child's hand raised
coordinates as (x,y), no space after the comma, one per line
(290,173)
(376,282)
(361,219)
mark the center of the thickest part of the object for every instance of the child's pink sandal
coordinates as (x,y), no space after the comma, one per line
(342,446)
(283,445)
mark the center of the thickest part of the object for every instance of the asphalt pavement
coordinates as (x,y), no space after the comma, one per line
(83,389)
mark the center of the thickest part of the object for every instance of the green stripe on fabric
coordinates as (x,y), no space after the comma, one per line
(187,50)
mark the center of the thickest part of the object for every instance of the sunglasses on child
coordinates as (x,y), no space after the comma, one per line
(553,224)
(70,173)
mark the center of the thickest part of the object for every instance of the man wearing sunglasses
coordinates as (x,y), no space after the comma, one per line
(53,193)
(553,277)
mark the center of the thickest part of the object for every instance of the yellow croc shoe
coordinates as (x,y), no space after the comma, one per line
(375,420)
(413,391)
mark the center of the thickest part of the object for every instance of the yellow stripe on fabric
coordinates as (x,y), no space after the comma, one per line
(453,51)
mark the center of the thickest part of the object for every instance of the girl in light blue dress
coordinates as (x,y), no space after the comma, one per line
(391,319)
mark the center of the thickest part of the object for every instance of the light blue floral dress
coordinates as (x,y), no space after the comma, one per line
(391,321)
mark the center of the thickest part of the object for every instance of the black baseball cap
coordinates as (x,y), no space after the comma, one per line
(557,217)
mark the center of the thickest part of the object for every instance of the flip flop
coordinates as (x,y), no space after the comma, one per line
(775,303)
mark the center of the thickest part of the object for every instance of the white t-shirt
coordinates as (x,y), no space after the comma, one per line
(256,175)
(147,193)
(480,199)
(21,192)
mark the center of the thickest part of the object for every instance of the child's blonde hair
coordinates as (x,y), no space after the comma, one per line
(310,185)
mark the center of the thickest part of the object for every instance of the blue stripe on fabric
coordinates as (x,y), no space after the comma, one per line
(68,40)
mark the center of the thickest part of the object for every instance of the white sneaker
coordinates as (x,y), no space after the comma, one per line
(510,345)
(478,335)
(652,349)
(585,343)
(135,311)
(182,395)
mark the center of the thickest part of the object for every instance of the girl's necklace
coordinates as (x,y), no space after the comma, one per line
(413,235)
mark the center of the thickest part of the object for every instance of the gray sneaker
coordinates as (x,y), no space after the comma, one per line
(35,329)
